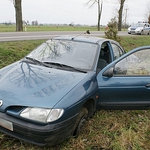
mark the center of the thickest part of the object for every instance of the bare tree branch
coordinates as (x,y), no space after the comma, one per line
(13,1)
(94,1)
(100,6)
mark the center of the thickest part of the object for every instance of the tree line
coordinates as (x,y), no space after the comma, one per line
(19,23)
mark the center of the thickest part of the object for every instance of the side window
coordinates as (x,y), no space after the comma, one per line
(136,64)
(117,51)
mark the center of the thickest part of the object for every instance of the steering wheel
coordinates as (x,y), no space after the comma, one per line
(85,61)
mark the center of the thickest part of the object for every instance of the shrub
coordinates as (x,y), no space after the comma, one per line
(111,30)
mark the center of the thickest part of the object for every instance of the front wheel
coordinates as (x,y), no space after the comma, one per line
(142,32)
(81,120)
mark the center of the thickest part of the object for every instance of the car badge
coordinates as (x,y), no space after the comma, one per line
(1,102)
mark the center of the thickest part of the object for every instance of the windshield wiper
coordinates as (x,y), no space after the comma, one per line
(54,63)
(65,66)
(35,61)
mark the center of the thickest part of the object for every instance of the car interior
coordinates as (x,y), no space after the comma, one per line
(104,58)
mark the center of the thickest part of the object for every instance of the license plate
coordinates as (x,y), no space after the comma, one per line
(6,124)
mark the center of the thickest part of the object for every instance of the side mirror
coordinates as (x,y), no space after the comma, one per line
(109,72)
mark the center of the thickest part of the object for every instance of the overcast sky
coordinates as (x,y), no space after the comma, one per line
(67,11)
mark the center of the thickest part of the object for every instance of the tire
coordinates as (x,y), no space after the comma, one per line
(81,121)
(142,32)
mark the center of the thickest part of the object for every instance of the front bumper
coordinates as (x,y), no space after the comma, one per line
(132,31)
(50,134)
(137,32)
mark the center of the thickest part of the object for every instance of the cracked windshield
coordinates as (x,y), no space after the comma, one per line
(70,53)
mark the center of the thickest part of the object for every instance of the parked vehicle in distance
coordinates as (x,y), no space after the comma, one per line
(146,31)
(48,96)
(129,30)
(143,29)
(136,28)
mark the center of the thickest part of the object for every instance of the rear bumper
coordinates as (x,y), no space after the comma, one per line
(50,134)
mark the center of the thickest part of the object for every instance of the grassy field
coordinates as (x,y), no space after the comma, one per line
(107,130)
(12,28)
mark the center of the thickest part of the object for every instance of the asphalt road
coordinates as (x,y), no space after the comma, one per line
(15,36)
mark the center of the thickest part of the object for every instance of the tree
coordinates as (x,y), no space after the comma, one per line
(100,6)
(148,12)
(149,19)
(35,23)
(18,11)
(120,11)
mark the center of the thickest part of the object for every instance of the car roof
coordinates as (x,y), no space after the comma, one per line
(90,39)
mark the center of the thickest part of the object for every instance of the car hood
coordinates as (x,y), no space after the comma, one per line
(133,27)
(139,28)
(24,84)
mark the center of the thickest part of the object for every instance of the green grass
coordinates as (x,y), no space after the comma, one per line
(12,28)
(107,130)
(13,51)
(130,42)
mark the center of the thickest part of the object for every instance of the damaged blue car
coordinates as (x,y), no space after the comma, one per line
(48,96)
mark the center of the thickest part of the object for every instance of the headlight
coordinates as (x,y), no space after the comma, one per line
(42,114)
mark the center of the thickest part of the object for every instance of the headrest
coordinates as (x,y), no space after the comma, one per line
(105,49)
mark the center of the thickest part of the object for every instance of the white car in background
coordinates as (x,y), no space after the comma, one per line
(145,29)
(131,29)
(137,28)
